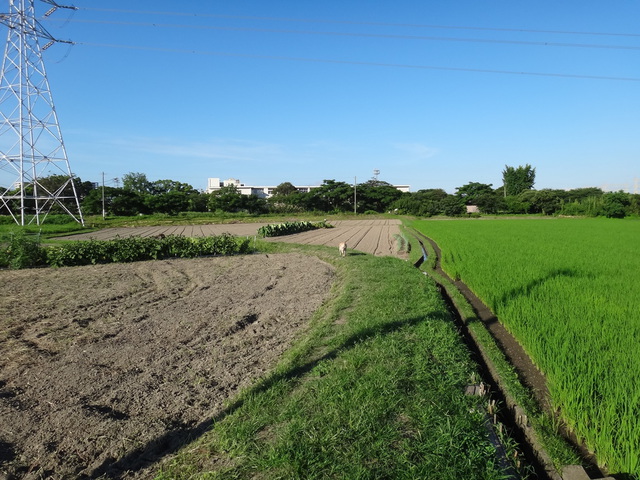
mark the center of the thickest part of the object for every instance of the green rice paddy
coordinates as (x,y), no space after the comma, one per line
(569,290)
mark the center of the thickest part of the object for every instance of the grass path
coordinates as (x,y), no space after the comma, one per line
(376,390)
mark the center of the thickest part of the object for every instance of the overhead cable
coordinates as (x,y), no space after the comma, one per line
(372,64)
(352,22)
(367,35)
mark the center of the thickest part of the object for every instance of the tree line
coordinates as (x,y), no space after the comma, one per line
(516,195)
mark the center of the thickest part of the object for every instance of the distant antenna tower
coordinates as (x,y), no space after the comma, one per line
(31,145)
(376,172)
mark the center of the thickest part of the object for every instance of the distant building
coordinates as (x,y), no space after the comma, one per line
(264,192)
(259,191)
(473,209)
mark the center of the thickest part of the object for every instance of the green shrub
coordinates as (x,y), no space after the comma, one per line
(133,249)
(19,250)
(289,228)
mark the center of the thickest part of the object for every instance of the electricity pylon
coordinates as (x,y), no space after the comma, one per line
(31,144)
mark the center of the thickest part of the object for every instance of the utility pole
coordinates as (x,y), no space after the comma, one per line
(31,145)
(355,196)
(104,214)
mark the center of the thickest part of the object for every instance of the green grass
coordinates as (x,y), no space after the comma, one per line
(568,290)
(375,390)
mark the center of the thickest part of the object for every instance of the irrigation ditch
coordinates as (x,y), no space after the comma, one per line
(510,414)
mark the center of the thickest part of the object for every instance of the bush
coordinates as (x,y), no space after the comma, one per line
(615,204)
(289,228)
(20,250)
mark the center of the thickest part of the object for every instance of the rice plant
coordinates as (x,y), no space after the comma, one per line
(568,289)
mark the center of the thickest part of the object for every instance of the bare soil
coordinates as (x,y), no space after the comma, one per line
(106,369)
(374,236)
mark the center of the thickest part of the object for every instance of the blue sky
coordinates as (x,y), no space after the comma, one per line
(432,94)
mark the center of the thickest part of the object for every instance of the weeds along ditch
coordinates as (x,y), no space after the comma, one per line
(514,383)
(567,289)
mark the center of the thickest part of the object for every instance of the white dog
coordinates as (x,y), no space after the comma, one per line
(343,249)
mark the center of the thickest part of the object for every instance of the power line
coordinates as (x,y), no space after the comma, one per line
(354,62)
(352,22)
(366,35)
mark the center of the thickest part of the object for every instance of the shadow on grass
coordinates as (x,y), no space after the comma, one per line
(173,440)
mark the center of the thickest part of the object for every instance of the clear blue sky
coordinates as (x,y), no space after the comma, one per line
(434,94)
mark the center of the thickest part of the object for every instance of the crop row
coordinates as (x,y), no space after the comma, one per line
(289,228)
(568,290)
(20,251)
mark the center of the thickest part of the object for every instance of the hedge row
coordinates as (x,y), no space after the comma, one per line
(21,251)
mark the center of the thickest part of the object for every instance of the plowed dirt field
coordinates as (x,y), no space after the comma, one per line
(106,369)
(375,236)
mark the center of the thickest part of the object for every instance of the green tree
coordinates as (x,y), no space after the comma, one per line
(423,203)
(198,202)
(293,202)
(615,204)
(580,194)
(518,203)
(284,189)
(547,201)
(377,196)
(452,206)
(169,186)
(431,195)
(136,182)
(171,202)
(61,186)
(117,201)
(227,199)
(254,204)
(634,207)
(518,180)
(286,198)
(490,203)
(331,196)
(471,191)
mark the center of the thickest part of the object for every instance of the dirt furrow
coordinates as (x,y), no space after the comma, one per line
(135,358)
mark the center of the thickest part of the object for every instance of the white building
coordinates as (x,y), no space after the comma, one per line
(263,192)
(214,184)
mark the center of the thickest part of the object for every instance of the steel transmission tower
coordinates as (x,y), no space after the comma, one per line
(31,144)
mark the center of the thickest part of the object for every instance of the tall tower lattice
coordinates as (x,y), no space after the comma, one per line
(35,176)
